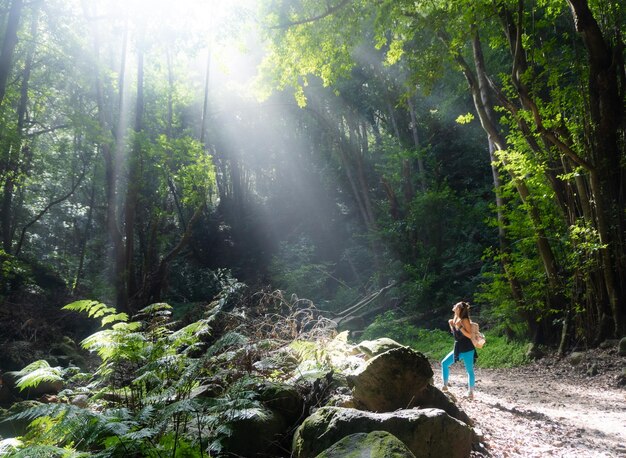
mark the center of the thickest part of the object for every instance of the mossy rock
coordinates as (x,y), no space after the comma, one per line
(375,347)
(282,398)
(428,433)
(377,444)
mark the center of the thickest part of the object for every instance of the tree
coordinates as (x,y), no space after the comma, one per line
(544,141)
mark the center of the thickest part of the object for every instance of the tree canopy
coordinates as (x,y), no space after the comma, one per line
(453,150)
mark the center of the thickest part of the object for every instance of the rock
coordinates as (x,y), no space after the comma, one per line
(399,379)
(16,355)
(576,358)
(352,323)
(621,348)
(377,444)
(256,436)
(341,400)
(391,380)
(609,343)
(81,400)
(68,353)
(373,348)
(282,398)
(426,432)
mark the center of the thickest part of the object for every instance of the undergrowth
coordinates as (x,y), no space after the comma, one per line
(163,388)
(436,344)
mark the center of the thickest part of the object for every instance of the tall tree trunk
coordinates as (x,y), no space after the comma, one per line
(134,183)
(606,101)
(543,246)
(111,155)
(8,44)
(12,171)
(84,237)
(421,171)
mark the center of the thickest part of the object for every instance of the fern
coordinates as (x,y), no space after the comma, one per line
(36,373)
(47,451)
(95,309)
(9,445)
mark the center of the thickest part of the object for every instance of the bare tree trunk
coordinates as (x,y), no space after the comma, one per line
(421,171)
(8,44)
(85,236)
(13,168)
(134,184)
(111,155)
(606,67)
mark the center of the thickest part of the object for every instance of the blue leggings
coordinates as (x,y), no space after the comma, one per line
(468,360)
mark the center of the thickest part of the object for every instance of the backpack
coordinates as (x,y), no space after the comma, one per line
(478,339)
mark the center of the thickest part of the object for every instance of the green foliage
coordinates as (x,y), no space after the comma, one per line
(14,274)
(435,344)
(141,399)
(36,373)
(499,351)
(294,269)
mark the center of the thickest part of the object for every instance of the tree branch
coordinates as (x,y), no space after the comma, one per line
(329,11)
(46,208)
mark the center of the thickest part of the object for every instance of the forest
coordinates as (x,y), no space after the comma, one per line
(200,198)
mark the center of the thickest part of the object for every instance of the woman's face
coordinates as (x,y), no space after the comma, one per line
(456,309)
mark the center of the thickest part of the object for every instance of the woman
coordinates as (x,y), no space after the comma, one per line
(463,347)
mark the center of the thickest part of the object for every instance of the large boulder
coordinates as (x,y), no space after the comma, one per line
(391,380)
(377,444)
(282,398)
(400,378)
(426,432)
(375,347)
(67,353)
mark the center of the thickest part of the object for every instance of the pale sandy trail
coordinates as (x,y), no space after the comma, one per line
(546,409)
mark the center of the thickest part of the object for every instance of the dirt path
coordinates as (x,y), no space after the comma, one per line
(550,408)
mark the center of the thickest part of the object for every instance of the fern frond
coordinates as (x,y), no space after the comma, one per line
(147,414)
(189,406)
(47,451)
(94,309)
(141,434)
(114,317)
(41,410)
(36,373)
(156,307)
(84,305)
(190,334)
(148,378)
(9,445)
(232,339)
(127,327)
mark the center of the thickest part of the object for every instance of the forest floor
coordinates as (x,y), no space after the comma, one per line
(548,408)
